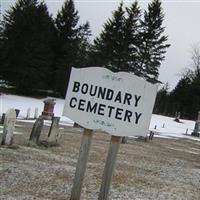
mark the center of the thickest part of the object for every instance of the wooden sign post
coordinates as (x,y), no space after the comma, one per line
(119,103)
(81,164)
(109,167)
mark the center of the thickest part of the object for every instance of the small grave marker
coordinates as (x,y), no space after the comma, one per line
(28,114)
(197,127)
(36,131)
(9,126)
(53,135)
(36,113)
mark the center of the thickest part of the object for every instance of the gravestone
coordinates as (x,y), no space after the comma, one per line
(28,113)
(178,115)
(36,113)
(3,118)
(197,127)
(36,131)
(53,135)
(9,126)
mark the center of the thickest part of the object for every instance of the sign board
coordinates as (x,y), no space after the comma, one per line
(118,103)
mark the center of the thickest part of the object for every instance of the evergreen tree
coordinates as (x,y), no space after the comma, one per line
(109,49)
(152,42)
(83,36)
(28,45)
(67,27)
(132,39)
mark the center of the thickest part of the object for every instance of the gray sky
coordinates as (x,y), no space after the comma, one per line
(181,22)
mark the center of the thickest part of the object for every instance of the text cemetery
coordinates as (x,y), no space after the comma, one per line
(106,94)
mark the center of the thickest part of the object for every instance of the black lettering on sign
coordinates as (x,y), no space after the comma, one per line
(81,104)
(76,86)
(84,88)
(93,90)
(118,97)
(127,98)
(137,98)
(118,113)
(101,93)
(72,102)
(110,110)
(91,108)
(128,115)
(109,94)
(137,116)
(101,109)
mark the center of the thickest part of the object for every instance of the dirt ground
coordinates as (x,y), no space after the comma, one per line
(162,169)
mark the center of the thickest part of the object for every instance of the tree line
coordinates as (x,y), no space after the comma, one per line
(185,97)
(38,51)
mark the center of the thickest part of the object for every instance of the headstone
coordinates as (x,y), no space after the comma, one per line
(9,126)
(197,127)
(178,115)
(48,107)
(124,140)
(53,135)
(17,112)
(36,113)
(28,113)
(151,134)
(3,118)
(36,131)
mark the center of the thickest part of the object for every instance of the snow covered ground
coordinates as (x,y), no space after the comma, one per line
(163,126)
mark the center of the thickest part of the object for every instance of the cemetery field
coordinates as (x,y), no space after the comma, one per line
(163,169)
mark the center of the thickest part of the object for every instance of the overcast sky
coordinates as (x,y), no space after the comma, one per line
(181,22)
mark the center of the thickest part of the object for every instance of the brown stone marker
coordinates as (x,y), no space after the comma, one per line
(48,107)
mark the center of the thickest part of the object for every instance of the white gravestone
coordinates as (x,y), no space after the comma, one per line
(28,113)
(9,126)
(118,103)
(36,113)
(53,135)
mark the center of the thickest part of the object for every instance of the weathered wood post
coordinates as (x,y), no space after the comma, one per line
(81,164)
(9,126)
(109,167)
(53,134)
(36,131)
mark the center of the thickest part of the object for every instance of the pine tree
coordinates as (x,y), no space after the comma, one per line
(152,46)
(83,36)
(132,39)
(28,45)
(108,49)
(68,44)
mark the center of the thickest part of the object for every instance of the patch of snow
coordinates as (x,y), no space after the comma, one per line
(164,127)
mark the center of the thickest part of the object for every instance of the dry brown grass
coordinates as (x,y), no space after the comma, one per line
(161,169)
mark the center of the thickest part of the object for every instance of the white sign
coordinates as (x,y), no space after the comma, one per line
(118,103)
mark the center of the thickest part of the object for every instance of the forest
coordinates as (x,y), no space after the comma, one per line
(37,51)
